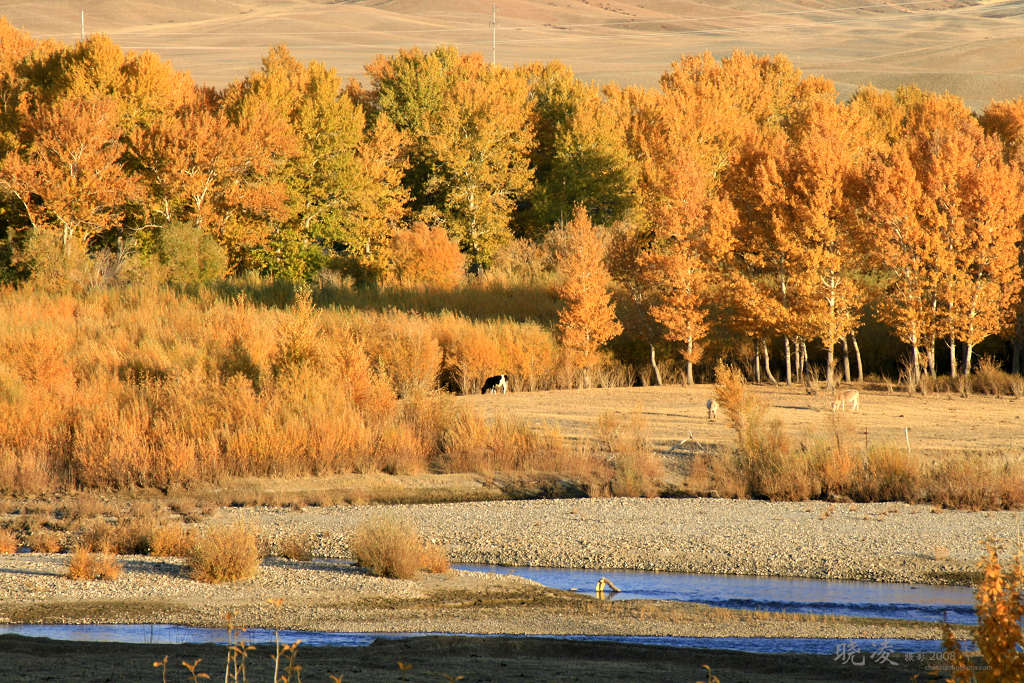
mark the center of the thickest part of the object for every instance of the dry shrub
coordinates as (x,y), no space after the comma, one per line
(394,549)
(86,565)
(87,506)
(225,554)
(989,378)
(636,468)
(976,482)
(998,636)
(424,257)
(297,547)
(890,473)
(8,542)
(43,541)
(172,539)
(98,533)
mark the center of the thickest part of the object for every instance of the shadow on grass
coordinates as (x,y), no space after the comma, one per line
(519,303)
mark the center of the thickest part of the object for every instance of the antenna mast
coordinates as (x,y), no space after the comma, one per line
(83,25)
(494,34)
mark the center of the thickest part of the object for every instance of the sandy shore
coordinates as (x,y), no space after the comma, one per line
(875,542)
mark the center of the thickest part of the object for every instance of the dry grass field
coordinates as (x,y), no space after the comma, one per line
(939,423)
(973,48)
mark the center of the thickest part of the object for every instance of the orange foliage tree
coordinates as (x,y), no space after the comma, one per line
(946,211)
(801,186)
(587,318)
(67,174)
(471,137)
(1005,120)
(689,220)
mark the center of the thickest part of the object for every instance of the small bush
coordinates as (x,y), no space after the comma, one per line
(172,539)
(225,554)
(190,255)
(425,257)
(87,566)
(43,541)
(296,547)
(999,637)
(989,378)
(391,548)
(8,542)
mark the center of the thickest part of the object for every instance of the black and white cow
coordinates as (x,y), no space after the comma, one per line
(495,384)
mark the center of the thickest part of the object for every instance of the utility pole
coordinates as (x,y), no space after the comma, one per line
(83,26)
(494,35)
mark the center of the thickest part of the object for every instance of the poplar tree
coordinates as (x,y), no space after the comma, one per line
(587,319)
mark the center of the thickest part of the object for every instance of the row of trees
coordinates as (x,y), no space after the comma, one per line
(739,194)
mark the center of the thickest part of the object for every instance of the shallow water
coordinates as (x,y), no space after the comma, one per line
(921,602)
(171,634)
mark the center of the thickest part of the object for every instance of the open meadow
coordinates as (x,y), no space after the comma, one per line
(676,420)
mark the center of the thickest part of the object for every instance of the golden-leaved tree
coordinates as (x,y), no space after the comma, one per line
(587,319)
(67,172)
(803,172)
(1005,120)
(945,212)
(689,221)
(471,136)
(581,156)
(344,178)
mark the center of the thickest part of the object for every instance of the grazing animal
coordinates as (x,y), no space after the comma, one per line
(712,410)
(848,397)
(493,384)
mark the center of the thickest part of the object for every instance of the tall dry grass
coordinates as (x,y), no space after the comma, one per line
(149,386)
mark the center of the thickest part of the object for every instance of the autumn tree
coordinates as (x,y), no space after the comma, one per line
(945,211)
(344,178)
(688,222)
(581,156)
(470,131)
(218,172)
(803,172)
(1005,120)
(729,110)
(67,174)
(586,320)
(421,257)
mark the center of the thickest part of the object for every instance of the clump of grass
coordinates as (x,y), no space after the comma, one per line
(298,547)
(990,378)
(172,539)
(225,554)
(42,541)
(394,549)
(636,468)
(85,565)
(8,542)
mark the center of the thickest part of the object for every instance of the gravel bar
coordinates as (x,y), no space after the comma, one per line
(875,542)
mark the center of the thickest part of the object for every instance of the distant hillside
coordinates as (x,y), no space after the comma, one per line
(973,48)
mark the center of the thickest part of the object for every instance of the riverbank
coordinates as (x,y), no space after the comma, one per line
(440,658)
(326,595)
(891,542)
